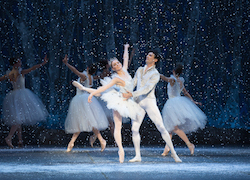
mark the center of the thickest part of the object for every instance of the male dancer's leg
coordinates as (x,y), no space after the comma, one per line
(149,105)
(136,136)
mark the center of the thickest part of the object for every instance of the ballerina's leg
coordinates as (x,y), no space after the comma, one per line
(184,137)
(100,138)
(8,139)
(72,141)
(83,88)
(118,135)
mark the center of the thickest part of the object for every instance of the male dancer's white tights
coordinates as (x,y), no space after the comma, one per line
(149,105)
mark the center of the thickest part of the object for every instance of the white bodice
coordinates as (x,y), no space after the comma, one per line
(87,83)
(175,90)
(19,83)
(128,83)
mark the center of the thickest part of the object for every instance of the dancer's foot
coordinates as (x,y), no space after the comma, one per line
(103,145)
(20,144)
(191,148)
(78,85)
(121,155)
(135,159)
(166,151)
(176,158)
(9,142)
(70,147)
(92,140)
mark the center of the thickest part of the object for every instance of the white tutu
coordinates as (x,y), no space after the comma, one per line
(83,116)
(182,112)
(22,106)
(126,108)
(108,112)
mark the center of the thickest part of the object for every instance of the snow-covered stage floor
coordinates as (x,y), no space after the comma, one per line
(89,163)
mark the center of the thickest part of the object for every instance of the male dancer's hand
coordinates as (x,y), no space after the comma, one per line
(127,95)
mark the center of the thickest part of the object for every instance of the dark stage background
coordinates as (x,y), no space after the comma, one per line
(211,39)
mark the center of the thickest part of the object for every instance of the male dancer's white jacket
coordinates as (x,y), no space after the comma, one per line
(145,82)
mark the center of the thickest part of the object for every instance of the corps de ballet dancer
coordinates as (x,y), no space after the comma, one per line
(145,81)
(180,114)
(21,106)
(82,116)
(111,92)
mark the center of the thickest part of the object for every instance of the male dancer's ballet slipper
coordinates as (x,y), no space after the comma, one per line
(92,140)
(135,159)
(8,142)
(78,85)
(70,147)
(176,158)
(103,145)
(191,148)
(166,151)
(121,156)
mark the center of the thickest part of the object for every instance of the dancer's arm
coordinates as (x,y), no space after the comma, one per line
(131,56)
(3,77)
(167,79)
(26,71)
(125,56)
(151,83)
(73,69)
(103,88)
(185,92)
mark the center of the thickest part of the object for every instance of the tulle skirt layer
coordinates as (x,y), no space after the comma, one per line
(126,108)
(182,112)
(108,112)
(22,106)
(83,116)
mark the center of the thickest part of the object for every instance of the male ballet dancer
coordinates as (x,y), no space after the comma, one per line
(146,79)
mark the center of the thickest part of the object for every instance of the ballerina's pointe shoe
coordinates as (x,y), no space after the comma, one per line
(176,158)
(70,147)
(166,151)
(8,142)
(78,85)
(121,156)
(103,145)
(191,148)
(92,140)
(20,144)
(135,159)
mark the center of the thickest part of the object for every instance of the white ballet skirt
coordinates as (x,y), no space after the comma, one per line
(22,106)
(83,116)
(181,111)
(113,96)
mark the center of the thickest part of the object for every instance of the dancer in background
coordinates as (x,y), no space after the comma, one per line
(4,77)
(145,81)
(111,90)
(83,116)
(21,106)
(180,114)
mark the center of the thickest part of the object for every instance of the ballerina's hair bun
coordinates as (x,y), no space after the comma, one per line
(13,61)
(178,69)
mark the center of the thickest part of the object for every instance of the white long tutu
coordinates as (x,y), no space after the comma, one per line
(182,112)
(83,116)
(22,106)
(108,112)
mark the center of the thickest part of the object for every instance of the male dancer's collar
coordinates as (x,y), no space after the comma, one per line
(144,72)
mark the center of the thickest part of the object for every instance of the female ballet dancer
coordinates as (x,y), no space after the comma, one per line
(180,114)
(109,114)
(104,65)
(21,106)
(83,116)
(112,90)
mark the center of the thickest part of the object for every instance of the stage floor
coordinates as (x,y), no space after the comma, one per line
(89,163)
